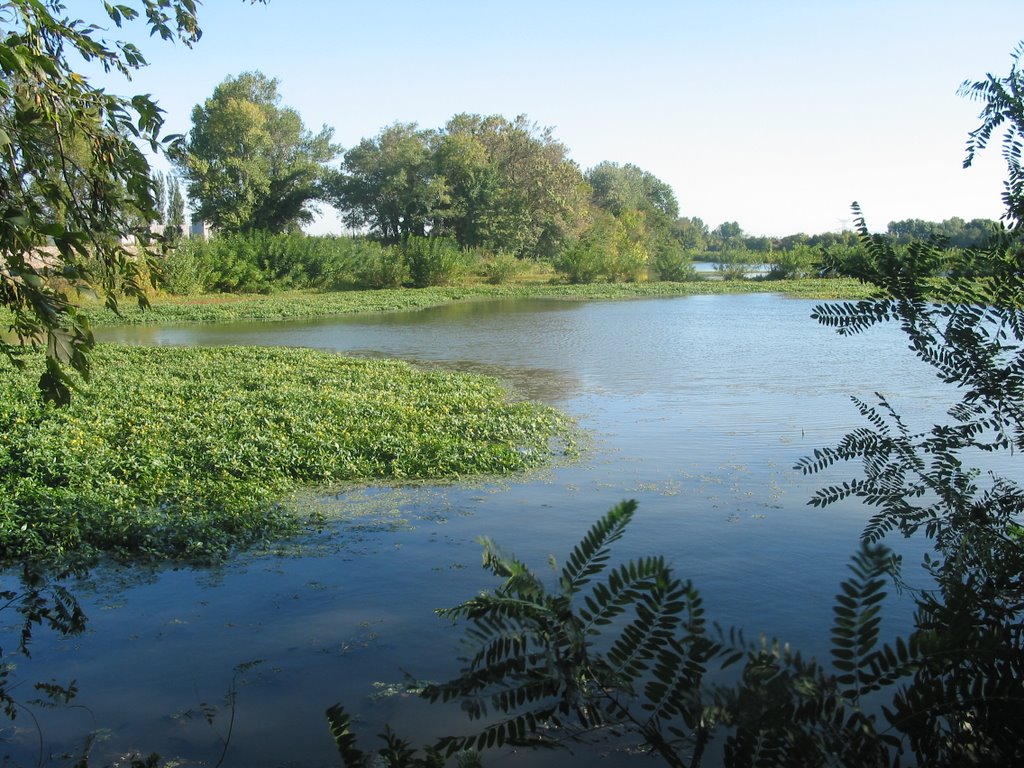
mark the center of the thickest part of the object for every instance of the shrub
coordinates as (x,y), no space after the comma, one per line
(380,267)
(734,263)
(672,263)
(433,260)
(793,263)
(582,261)
(627,263)
(500,267)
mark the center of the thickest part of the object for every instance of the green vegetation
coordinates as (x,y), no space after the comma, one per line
(250,163)
(189,453)
(73,173)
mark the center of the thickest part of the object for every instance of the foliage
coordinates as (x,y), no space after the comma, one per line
(734,263)
(175,219)
(583,260)
(433,261)
(390,185)
(512,186)
(797,262)
(261,262)
(74,173)
(187,453)
(500,267)
(379,266)
(487,182)
(250,163)
(967,695)
(628,188)
(672,262)
(625,650)
(1003,111)
(955,231)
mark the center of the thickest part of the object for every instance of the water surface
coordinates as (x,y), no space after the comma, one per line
(698,407)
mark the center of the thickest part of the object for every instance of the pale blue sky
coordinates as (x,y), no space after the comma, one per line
(773,114)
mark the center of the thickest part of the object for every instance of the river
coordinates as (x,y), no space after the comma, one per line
(697,407)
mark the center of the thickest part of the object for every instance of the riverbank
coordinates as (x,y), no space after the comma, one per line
(307,304)
(188,453)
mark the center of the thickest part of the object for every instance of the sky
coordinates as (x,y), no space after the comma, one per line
(776,115)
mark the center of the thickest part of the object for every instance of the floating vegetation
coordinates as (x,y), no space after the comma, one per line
(188,453)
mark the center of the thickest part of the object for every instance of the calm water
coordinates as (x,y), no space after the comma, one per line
(698,407)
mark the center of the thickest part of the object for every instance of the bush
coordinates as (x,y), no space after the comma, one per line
(582,261)
(261,262)
(500,267)
(380,267)
(673,264)
(734,264)
(181,272)
(433,261)
(794,263)
(627,263)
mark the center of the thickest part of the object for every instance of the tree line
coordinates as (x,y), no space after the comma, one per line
(483,182)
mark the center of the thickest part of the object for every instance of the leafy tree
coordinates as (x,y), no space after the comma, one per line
(74,182)
(389,184)
(160,197)
(175,218)
(250,163)
(690,233)
(512,185)
(726,235)
(618,188)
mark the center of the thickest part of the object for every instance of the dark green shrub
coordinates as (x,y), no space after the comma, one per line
(582,261)
(379,266)
(673,263)
(433,261)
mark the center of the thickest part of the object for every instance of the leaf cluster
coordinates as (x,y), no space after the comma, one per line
(74,183)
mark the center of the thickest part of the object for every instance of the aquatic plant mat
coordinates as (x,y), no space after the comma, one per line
(188,453)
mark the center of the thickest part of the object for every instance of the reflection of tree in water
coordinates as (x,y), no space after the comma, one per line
(39,600)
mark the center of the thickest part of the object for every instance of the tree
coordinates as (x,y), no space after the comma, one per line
(74,182)
(175,219)
(727,235)
(541,196)
(160,197)
(249,163)
(389,184)
(512,185)
(690,233)
(618,188)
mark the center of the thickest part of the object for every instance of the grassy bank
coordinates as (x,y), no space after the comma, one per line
(282,306)
(188,453)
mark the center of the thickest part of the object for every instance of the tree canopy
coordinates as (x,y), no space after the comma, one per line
(250,163)
(618,188)
(502,184)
